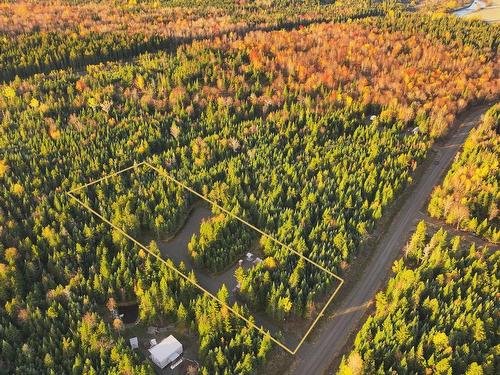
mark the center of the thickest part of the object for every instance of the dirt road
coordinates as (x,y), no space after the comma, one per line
(315,357)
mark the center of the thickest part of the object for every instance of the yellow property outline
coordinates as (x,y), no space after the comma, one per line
(163,173)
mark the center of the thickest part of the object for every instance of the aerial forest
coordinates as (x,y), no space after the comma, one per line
(469,197)
(309,130)
(436,314)
(39,36)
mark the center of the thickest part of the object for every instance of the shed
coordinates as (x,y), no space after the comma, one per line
(134,343)
(257,260)
(166,351)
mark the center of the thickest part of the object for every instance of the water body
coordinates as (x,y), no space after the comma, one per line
(130,312)
(476,5)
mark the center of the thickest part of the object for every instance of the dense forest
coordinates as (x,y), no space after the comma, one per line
(438,313)
(45,35)
(452,31)
(306,133)
(470,194)
(222,239)
(41,36)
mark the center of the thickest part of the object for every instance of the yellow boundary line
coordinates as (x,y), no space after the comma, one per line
(158,257)
(106,177)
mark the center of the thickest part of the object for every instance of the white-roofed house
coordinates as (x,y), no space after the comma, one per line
(166,351)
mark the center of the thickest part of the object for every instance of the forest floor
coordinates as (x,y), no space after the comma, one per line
(323,352)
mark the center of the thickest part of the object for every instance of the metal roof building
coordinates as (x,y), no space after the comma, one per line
(166,351)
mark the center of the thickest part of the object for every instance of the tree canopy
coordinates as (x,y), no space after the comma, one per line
(307,133)
(436,314)
(470,194)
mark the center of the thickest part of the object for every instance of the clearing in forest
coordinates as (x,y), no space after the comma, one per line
(188,249)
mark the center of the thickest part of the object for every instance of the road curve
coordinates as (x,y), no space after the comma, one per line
(315,357)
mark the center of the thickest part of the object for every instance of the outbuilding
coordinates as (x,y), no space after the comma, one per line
(134,343)
(257,260)
(166,351)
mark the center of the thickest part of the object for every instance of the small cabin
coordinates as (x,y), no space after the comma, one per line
(134,343)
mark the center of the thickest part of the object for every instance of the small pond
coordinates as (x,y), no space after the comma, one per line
(130,312)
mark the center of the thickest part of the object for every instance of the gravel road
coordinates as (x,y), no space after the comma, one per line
(315,357)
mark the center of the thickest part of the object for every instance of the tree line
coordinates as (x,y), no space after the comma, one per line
(451,30)
(469,196)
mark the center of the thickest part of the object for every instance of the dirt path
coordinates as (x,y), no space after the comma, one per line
(453,231)
(316,356)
